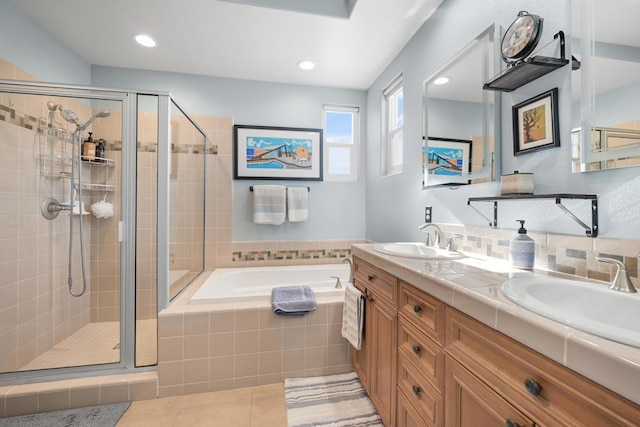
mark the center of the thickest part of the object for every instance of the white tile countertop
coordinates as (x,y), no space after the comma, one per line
(473,286)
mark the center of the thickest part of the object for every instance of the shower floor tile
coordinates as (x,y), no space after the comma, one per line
(96,344)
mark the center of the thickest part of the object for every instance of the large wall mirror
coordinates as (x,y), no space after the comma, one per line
(606,89)
(461,121)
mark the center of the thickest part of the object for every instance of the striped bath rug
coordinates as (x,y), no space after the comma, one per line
(336,400)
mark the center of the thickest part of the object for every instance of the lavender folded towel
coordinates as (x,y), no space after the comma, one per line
(293,300)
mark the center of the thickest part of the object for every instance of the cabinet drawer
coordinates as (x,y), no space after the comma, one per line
(424,311)
(418,349)
(419,392)
(471,403)
(557,396)
(407,415)
(376,280)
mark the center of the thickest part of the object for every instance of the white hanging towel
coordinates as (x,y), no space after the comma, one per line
(298,202)
(353,316)
(269,204)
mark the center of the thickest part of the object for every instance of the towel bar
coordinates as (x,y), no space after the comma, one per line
(251,188)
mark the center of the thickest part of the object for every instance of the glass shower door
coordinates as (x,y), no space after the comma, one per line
(60,258)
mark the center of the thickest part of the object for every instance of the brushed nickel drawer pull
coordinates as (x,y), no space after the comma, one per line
(417,308)
(415,389)
(416,349)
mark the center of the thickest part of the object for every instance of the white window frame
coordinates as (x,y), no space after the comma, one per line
(389,131)
(354,146)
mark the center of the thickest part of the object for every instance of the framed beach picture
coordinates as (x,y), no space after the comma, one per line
(535,123)
(265,152)
(446,161)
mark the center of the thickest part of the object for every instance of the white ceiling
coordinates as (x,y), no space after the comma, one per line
(234,39)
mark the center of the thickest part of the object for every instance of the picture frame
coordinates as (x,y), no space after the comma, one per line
(284,153)
(446,161)
(536,123)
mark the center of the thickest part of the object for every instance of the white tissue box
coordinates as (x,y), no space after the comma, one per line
(517,183)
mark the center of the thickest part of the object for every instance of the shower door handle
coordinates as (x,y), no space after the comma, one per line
(120,231)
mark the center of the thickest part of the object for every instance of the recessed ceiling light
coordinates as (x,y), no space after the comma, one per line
(441,81)
(144,40)
(306,65)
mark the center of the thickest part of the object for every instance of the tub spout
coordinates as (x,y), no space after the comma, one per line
(338,283)
(348,260)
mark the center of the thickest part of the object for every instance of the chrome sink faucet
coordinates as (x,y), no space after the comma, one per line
(438,234)
(621,281)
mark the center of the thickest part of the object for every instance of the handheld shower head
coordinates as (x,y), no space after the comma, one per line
(100,114)
(70,116)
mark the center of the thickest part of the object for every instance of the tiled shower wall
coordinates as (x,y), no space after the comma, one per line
(36,309)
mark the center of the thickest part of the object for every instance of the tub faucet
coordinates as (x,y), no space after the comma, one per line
(621,281)
(338,283)
(348,260)
(438,234)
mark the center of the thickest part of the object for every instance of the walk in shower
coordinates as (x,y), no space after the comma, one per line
(101,223)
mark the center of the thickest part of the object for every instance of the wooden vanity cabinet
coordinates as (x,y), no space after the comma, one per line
(541,389)
(375,362)
(424,363)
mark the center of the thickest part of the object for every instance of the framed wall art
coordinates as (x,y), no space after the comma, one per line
(266,152)
(446,161)
(535,123)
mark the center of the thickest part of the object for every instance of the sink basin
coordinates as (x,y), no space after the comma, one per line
(589,307)
(417,251)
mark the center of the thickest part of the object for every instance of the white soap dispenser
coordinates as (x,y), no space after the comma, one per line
(522,250)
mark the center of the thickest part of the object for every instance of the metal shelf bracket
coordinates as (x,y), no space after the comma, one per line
(591,231)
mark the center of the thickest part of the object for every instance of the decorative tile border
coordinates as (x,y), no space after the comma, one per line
(291,255)
(39,124)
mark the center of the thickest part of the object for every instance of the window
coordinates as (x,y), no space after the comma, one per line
(393,126)
(341,139)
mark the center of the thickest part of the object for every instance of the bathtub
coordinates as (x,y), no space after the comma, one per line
(254,284)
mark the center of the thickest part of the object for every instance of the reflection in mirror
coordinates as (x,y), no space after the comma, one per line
(606,89)
(460,118)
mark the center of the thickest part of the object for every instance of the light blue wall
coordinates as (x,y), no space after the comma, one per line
(27,45)
(395,204)
(336,209)
(444,119)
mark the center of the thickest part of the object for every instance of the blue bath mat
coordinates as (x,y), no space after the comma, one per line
(91,416)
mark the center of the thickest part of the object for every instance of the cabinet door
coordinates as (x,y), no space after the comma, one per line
(469,402)
(360,358)
(383,325)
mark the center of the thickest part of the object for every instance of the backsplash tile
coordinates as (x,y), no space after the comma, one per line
(552,253)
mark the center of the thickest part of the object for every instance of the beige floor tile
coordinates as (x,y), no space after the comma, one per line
(240,396)
(237,414)
(144,420)
(262,406)
(166,405)
(267,391)
(269,411)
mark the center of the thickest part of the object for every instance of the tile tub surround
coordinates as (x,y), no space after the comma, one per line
(77,393)
(209,347)
(476,292)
